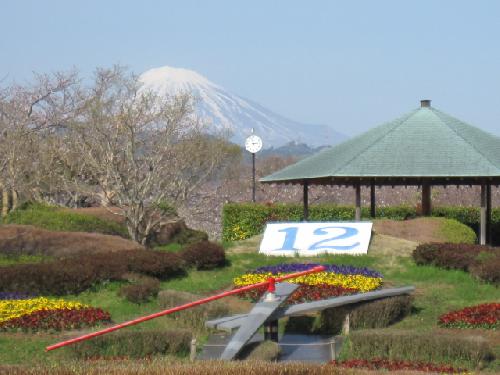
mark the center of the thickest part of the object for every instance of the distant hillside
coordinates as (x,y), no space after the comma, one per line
(292,149)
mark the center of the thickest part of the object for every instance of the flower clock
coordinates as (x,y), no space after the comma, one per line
(40,313)
(336,280)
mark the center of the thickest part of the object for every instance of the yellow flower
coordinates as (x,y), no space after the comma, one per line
(360,282)
(10,309)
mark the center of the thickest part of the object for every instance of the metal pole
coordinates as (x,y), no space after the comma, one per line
(253,177)
(306,200)
(181,307)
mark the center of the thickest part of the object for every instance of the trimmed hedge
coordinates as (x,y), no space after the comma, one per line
(432,347)
(371,314)
(447,255)
(243,220)
(456,232)
(487,267)
(204,255)
(188,236)
(134,344)
(74,275)
(141,289)
(481,261)
(374,314)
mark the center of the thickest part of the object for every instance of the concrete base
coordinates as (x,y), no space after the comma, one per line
(294,347)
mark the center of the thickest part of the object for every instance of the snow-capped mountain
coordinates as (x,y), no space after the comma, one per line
(229,112)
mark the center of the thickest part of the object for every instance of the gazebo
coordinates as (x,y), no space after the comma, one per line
(425,147)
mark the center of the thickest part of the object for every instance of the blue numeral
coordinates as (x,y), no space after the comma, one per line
(348,232)
(291,235)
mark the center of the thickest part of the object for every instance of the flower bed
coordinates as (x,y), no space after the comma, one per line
(336,280)
(43,313)
(481,316)
(394,365)
(58,319)
(14,295)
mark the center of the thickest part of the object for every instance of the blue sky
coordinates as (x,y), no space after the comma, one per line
(349,64)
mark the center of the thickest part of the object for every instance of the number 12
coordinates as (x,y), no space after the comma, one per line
(291,236)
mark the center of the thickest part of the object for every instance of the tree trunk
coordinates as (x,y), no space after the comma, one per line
(5,201)
(15,199)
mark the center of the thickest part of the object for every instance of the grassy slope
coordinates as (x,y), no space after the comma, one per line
(56,219)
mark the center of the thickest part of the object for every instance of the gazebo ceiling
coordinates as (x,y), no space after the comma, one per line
(423,145)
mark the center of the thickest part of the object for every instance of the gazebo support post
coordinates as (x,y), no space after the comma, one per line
(485,216)
(482,218)
(357,214)
(489,239)
(372,199)
(306,200)
(426,199)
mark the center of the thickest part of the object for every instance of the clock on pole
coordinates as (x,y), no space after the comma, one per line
(253,144)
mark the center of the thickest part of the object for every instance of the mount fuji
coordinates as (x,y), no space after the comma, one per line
(231,113)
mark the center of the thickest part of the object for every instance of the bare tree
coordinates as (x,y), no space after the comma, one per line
(27,114)
(137,151)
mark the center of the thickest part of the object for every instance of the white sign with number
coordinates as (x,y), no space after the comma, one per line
(310,239)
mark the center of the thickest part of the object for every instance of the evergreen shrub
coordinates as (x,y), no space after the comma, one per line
(481,261)
(204,255)
(140,289)
(134,344)
(447,255)
(188,236)
(76,274)
(430,347)
(244,220)
(371,314)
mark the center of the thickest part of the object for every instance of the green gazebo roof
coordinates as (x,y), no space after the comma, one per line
(425,143)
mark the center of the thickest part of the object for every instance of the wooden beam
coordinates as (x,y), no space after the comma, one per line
(482,218)
(306,200)
(372,200)
(426,199)
(357,214)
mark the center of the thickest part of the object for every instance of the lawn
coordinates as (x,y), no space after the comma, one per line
(437,291)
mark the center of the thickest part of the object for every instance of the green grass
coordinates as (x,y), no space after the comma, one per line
(8,260)
(55,219)
(437,291)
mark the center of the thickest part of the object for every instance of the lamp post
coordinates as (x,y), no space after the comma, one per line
(253,144)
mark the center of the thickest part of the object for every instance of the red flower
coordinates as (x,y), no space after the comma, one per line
(62,319)
(481,316)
